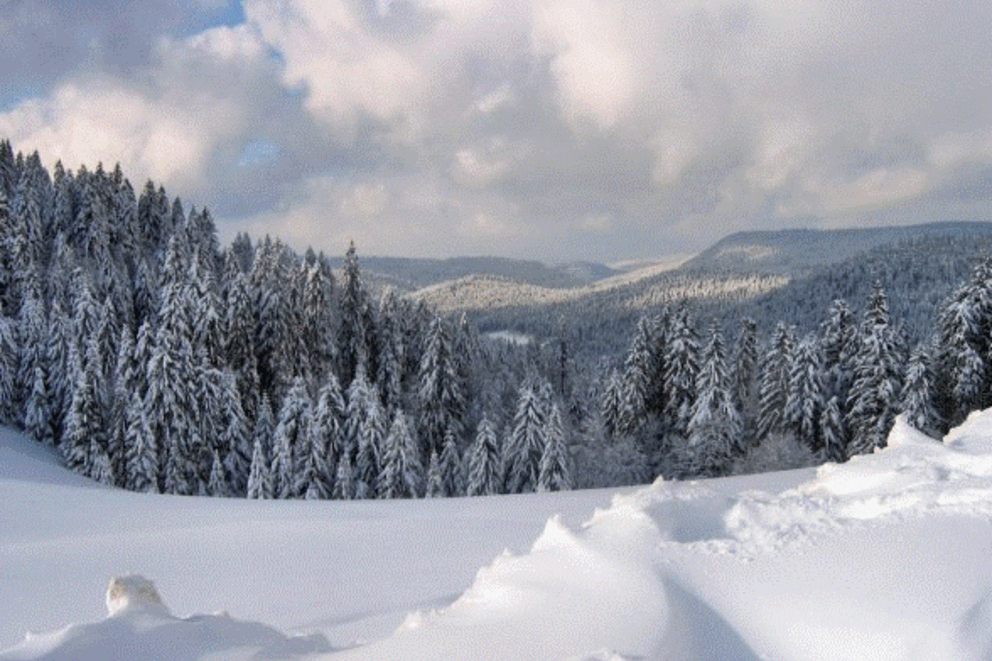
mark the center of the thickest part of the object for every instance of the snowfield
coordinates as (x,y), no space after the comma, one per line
(886,557)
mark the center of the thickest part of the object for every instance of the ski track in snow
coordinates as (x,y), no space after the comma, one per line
(884,557)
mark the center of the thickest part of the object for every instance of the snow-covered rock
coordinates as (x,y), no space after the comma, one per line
(140,627)
(134,593)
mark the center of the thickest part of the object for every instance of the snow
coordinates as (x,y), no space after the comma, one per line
(888,556)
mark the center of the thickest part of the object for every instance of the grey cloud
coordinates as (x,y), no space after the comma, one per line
(549,128)
(42,41)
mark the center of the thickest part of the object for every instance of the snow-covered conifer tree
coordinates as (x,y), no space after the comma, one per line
(329,424)
(368,458)
(555,472)
(272,313)
(261,482)
(32,336)
(38,415)
(636,384)
(8,371)
(402,473)
(873,400)
(484,463)
(314,481)
(840,344)
(715,430)
(316,320)
(440,390)
(744,364)
(804,404)
(773,390)
(141,463)
(681,371)
(344,485)
(435,482)
(525,445)
(217,485)
(240,343)
(833,432)
(58,373)
(234,440)
(612,404)
(917,396)
(356,330)
(290,440)
(85,425)
(451,466)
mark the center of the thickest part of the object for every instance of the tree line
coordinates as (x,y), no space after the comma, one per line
(156,360)
(693,406)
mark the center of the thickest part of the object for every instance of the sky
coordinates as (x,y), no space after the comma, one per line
(540,129)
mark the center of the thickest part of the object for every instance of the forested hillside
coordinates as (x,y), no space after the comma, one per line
(157,360)
(798,251)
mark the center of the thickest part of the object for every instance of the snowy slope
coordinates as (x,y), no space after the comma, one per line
(886,557)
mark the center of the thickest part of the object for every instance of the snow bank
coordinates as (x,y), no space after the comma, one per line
(139,626)
(886,557)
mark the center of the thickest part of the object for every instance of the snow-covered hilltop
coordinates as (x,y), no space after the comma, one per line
(883,557)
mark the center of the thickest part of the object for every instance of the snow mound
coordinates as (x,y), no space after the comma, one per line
(133,593)
(139,626)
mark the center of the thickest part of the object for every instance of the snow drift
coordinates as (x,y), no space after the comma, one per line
(139,626)
(888,556)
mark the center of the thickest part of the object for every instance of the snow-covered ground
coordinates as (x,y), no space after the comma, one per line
(886,557)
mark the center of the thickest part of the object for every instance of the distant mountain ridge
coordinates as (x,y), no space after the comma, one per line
(789,252)
(796,251)
(409,274)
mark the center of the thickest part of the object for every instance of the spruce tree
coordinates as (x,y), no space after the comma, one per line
(715,428)
(329,425)
(217,485)
(290,440)
(484,463)
(401,474)
(272,314)
(873,400)
(8,371)
(773,390)
(681,372)
(555,474)
(525,445)
(368,458)
(637,373)
(141,463)
(833,431)
(357,328)
(743,371)
(805,402)
(85,435)
(440,389)
(314,482)
(260,483)
(37,413)
(235,440)
(451,466)
(435,481)
(344,484)
(612,404)
(917,394)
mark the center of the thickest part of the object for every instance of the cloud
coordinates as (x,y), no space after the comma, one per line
(185,120)
(540,128)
